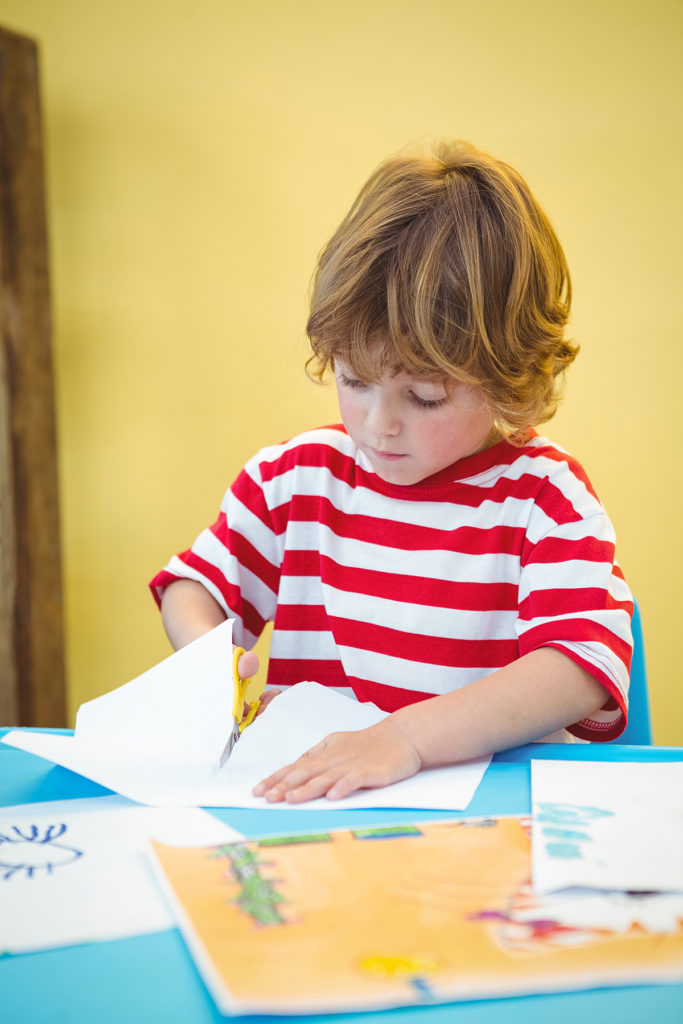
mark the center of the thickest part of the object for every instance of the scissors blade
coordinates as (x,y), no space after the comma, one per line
(232,740)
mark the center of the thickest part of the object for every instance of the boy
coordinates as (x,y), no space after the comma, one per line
(434,546)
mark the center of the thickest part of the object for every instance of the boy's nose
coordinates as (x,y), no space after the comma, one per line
(382,417)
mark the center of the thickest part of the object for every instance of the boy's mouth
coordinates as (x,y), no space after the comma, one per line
(386,456)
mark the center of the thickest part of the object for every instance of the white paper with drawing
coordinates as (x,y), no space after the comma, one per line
(159,739)
(607,825)
(74,871)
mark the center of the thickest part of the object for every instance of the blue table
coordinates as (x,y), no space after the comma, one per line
(152,978)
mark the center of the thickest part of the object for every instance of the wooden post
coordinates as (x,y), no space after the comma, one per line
(32,678)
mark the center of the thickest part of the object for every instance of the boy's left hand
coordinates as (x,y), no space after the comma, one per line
(342,763)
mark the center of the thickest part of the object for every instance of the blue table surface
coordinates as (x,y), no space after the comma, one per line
(152,978)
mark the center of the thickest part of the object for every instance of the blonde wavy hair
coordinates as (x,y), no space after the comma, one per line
(446,267)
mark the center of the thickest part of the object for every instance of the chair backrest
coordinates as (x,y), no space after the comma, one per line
(638,732)
(32,683)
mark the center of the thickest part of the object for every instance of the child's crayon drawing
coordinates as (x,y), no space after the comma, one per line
(76,871)
(607,826)
(258,896)
(30,849)
(370,918)
(566,827)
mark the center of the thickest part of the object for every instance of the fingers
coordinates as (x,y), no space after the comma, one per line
(295,785)
(304,779)
(332,784)
(338,766)
(248,664)
(267,697)
(326,785)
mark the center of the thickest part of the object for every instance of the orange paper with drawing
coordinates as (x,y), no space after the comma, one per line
(370,918)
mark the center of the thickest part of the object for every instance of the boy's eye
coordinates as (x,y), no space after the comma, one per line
(427,403)
(351,382)
(355,384)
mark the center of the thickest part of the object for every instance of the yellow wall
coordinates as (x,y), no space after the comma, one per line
(199,155)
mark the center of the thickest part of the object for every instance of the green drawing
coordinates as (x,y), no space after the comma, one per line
(298,837)
(386,832)
(258,897)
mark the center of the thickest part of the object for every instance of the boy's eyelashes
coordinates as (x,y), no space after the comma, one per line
(351,382)
(428,403)
(422,403)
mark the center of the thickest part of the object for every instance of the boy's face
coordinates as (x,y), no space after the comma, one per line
(410,428)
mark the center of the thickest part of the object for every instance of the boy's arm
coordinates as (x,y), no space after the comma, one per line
(188,611)
(541,692)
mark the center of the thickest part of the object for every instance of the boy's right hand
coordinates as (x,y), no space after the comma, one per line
(248,666)
(266,697)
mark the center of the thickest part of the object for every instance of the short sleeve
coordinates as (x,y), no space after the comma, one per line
(237,559)
(573,597)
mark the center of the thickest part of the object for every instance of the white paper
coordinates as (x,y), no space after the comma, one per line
(294,722)
(74,871)
(607,825)
(181,707)
(307,713)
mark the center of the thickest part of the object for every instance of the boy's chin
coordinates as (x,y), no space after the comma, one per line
(402,475)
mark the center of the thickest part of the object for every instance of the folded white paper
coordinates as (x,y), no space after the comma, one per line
(607,825)
(181,707)
(161,745)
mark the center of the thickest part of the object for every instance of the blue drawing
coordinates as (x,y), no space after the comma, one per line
(570,814)
(568,851)
(567,826)
(565,833)
(26,849)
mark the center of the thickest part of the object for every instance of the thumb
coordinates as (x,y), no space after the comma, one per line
(248,665)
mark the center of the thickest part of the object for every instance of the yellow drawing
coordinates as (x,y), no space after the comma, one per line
(369,918)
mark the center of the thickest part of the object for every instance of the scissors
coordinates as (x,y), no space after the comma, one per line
(239,720)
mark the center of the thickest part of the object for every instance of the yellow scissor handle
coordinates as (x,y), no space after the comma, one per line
(239,691)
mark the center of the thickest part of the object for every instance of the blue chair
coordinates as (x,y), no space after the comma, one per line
(638,732)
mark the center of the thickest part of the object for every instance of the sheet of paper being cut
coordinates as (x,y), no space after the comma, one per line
(158,740)
(182,706)
(304,715)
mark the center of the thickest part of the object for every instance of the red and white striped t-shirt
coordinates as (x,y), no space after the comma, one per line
(403,592)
